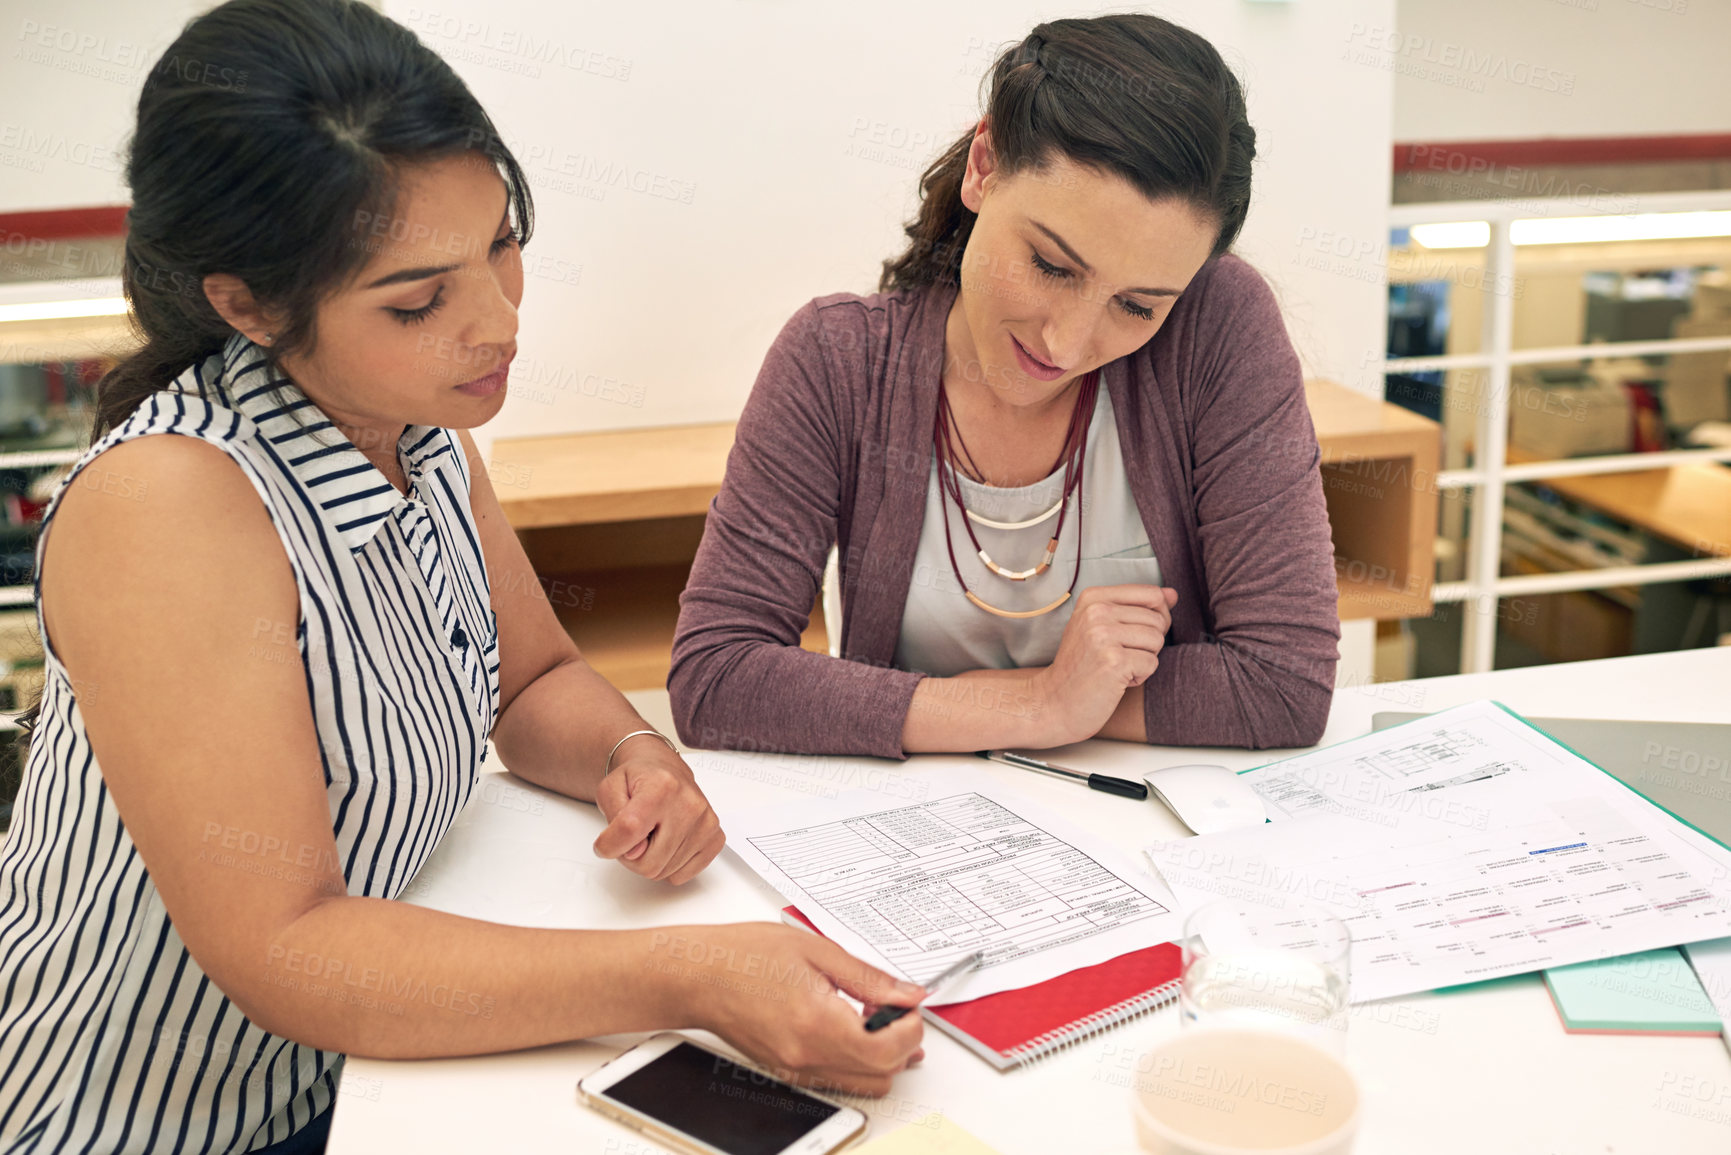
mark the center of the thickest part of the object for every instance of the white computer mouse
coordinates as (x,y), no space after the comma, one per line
(1207,799)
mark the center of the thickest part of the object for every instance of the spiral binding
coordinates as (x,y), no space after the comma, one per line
(1070,1034)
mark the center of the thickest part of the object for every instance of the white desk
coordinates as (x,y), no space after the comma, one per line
(1481,1071)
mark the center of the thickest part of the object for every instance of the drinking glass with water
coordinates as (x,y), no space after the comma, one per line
(1255,967)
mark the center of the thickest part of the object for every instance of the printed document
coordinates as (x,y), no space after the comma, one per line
(911,888)
(1462,847)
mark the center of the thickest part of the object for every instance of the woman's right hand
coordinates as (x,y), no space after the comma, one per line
(1111,643)
(771,991)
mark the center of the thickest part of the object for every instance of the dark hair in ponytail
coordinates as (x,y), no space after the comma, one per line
(1131,95)
(269,139)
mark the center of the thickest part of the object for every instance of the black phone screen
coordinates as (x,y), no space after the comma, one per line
(712,1098)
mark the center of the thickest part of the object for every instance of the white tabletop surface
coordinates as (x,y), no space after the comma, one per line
(1483,1070)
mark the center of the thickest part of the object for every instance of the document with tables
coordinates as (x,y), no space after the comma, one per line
(1463,846)
(975,867)
(1684,767)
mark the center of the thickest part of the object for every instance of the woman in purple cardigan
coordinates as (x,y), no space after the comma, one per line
(1065,453)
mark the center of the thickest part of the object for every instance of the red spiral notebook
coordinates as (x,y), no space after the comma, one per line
(1014,1027)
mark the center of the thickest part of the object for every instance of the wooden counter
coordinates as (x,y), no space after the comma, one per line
(1688,505)
(619,514)
(624,475)
(1379,467)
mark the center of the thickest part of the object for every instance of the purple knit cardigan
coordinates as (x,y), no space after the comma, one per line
(835,446)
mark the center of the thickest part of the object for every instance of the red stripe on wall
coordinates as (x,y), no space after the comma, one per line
(56,224)
(1458,155)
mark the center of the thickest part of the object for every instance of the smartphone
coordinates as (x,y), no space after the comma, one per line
(696,1100)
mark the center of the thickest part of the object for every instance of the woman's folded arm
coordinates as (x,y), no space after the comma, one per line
(1264,675)
(739,678)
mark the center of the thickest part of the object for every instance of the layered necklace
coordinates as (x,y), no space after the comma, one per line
(947,440)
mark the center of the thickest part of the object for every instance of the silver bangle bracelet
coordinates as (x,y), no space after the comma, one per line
(608,768)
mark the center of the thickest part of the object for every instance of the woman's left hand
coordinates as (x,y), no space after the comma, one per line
(659,824)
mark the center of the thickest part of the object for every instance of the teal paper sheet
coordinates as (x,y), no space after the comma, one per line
(1652,992)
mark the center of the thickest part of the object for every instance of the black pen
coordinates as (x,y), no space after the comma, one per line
(1120,786)
(884,1016)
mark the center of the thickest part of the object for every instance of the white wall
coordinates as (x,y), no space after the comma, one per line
(1521,69)
(788,138)
(70,73)
(701,169)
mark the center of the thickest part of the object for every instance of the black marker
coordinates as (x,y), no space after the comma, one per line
(884,1016)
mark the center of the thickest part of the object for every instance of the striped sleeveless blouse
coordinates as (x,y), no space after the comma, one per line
(112,1039)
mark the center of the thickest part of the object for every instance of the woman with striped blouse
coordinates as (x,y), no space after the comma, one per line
(278,641)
